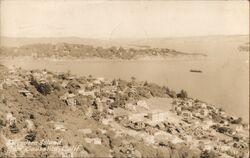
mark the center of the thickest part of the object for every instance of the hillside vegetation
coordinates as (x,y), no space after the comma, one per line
(45,114)
(88,51)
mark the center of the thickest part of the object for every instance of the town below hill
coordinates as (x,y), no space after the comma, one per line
(87,51)
(62,115)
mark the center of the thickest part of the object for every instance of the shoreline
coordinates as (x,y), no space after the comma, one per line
(92,110)
(146,58)
(60,62)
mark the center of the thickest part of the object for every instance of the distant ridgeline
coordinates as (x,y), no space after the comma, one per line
(87,51)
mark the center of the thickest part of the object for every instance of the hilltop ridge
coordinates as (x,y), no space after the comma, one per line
(87,51)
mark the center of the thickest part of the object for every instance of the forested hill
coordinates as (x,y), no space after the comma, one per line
(88,51)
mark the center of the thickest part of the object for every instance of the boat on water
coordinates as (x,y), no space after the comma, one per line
(196,71)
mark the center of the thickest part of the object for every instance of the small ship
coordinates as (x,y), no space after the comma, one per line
(196,71)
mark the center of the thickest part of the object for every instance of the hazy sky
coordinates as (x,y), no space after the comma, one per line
(122,19)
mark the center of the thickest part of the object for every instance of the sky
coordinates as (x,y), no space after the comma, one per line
(122,19)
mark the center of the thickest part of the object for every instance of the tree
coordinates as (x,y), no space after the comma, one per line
(183,94)
(133,79)
(172,94)
(237,121)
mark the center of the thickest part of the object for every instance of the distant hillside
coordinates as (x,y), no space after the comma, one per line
(182,44)
(16,42)
(148,42)
(88,51)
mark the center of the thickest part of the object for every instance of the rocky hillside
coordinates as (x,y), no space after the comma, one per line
(87,51)
(52,114)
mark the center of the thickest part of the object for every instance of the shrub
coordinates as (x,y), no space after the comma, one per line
(183,94)
(172,94)
(237,121)
(43,88)
(133,79)
(155,90)
(208,154)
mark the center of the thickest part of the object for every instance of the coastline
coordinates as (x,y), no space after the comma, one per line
(72,106)
(96,59)
(99,67)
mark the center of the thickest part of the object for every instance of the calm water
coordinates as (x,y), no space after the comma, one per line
(224,81)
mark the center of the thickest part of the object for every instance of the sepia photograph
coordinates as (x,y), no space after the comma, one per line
(124,78)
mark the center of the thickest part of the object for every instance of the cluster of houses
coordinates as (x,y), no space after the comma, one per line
(119,106)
